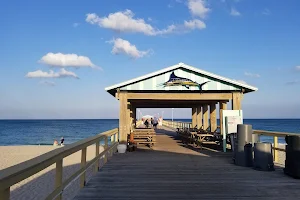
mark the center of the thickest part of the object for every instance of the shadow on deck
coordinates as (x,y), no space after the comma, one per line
(176,171)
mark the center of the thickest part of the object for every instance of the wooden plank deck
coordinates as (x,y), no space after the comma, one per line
(174,171)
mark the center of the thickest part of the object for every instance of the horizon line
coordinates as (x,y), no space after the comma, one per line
(116,118)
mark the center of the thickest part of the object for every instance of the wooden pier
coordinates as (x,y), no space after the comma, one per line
(172,170)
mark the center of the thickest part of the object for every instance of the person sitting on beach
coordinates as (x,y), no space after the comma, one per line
(62,141)
(55,143)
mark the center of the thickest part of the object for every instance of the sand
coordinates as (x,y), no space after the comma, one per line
(41,184)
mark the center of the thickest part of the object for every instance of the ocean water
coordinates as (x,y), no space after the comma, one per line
(44,132)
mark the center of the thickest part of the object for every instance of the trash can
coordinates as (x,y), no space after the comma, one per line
(263,157)
(243,155)
(292,159)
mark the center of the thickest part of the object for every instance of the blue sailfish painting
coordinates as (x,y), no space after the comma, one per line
(176,81)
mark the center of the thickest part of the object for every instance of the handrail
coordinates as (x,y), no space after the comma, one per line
(19,172)
(272,133)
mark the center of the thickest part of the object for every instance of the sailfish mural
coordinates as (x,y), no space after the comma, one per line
(176,81)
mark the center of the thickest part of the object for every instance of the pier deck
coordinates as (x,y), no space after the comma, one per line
(174,171)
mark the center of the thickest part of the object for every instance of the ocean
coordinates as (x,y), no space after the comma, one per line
(44,132)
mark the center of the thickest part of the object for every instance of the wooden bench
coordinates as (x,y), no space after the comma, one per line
(147,137)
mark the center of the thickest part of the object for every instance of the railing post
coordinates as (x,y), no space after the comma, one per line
(83,163)
(59,176)
(96,154)
(5,194)
(275,152)
(105,147)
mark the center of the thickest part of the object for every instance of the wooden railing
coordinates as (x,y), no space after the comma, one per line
(19,172)
(177,124)
(275,135)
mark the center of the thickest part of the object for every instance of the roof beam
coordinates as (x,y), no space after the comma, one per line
(180,96)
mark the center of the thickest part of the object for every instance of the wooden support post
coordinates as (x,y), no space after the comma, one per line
(194,117)
(134,115)
(236,100)
(213,117)
(205,117)
(4,193)
(96,154)
(123,117)
(275,152)
(223,106)
(82,165)
(105,147)
(59,176)
(129,119)
(199,117)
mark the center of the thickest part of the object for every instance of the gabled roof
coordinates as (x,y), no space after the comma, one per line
(247,87)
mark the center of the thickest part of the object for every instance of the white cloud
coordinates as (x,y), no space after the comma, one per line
(252,75)
(198,8)
(266,12)
(122,21)
(293,82)
(194,24)
(66,60)
(297,68)
(241,81)
(170,6)
(51,74)
(75,24)
(124,47)
(48,83)
(234,12)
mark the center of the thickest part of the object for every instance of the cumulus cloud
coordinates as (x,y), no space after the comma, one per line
(47,83)
(234,12)
(66,60)
(124,47)
(198,8)
(252,75)
(194,24)
(124,21)
(51,74)
(297,68)
(293,82)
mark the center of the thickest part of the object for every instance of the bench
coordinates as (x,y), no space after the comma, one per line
(147,137)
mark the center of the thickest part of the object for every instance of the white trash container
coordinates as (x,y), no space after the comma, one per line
(122,148)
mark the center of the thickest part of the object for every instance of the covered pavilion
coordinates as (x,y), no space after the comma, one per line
(178,86)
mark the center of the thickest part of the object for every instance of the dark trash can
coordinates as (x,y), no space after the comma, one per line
(243,155)
(263,157)
(292,159)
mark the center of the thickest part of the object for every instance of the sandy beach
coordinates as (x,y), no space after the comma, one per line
(41,184)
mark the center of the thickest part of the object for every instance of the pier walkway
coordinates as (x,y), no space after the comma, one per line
(172,170)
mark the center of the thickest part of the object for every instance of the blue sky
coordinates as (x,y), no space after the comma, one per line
(90,45)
